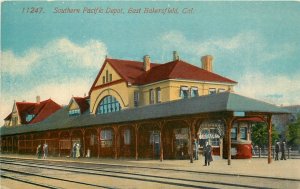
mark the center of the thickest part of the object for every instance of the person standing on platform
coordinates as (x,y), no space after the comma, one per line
(277,150)
(39,151)
(73,152)
(196,149)
(207,150)
(77,150)
(283,149)
(45,149)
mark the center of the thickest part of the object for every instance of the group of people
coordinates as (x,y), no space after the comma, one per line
(280,147)
(42,151)
(75,150)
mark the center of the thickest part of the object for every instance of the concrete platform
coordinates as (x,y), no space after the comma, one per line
(283,169)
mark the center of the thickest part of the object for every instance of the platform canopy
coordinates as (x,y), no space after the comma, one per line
(215,103)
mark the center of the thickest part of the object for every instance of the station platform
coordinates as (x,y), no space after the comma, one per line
(258,167)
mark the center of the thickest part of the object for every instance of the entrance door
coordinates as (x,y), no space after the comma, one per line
(155,138)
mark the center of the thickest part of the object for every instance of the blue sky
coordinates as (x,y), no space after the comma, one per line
(58,55)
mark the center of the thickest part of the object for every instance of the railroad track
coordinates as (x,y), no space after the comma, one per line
(99,171)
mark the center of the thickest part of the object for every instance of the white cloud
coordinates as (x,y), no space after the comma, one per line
(14,64)
(279,89)
(175,40)
(62,51)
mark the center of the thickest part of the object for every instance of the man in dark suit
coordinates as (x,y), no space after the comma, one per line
(207,150)
(283,149)
(277,149)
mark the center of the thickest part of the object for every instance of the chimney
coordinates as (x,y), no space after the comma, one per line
(146,62)
(207,62)
(175,55)
(38,99)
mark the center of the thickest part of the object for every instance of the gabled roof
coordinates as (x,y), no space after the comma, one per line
(179,69)
(129,70)
(41,110)
(215,103)
(82,103)
(132,72)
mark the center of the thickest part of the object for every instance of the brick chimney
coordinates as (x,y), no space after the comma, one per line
(146,63)
(207,61)
(175,55)
(38,99)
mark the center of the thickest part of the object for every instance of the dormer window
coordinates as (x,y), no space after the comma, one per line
(29,117)
(75,112)
(194,91)
(184,92)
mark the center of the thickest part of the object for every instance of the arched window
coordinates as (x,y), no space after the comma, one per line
(108,104)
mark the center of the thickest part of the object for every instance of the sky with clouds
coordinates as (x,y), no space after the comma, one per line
(57,55)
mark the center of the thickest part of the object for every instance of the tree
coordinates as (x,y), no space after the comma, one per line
(259,135)
(293,134)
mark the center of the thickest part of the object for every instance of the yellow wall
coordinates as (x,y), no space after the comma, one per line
(109,68)
(73,105)
(170,89)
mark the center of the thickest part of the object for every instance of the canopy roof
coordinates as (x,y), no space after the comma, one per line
(221,102)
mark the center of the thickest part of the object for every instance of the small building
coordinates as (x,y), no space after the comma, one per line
(24,113)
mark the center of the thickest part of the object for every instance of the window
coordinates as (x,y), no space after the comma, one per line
(151,96)
(243,132)
(211,135)
(110,77)
(75,112)
(108,104)
(194,91)
(29,117)
(233,133)
(107,76)
(212,91)
(106,138)
(184,92)
(158,100)
(14,121)
(103,79)
(136,99)
(127,136)
(221,90)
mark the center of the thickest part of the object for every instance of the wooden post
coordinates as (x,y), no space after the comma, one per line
(161,126)
(269,122)
(228,133)
(116,131)
(191,144)
(98,143)
(12,144)
(71,144)
(59,144)
(136,129)
(31,136)
(83,138)
(18,144)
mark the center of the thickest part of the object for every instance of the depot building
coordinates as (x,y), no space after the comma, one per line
(140,109)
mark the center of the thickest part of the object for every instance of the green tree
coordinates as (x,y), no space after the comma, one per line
(293,134)
(259,135)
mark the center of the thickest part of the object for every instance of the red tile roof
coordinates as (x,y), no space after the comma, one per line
(179,69)
(82,103)
(41,110)
(132,71)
